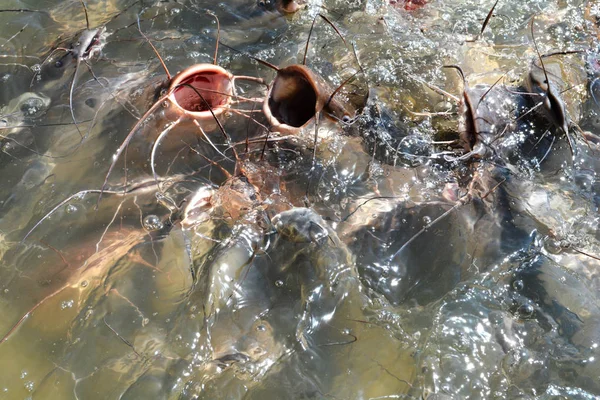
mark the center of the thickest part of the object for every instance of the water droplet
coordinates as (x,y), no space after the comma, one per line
(279,283)
(152,223)
(70,209)
(518,285)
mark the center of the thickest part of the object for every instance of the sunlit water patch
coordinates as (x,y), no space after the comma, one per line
(411,212)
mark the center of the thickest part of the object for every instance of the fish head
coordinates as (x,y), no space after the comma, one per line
(202,91)
(300,225)
(297,95)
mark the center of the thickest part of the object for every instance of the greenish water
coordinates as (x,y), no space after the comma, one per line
(388,259)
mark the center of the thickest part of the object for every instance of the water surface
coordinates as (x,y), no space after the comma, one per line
(388,266)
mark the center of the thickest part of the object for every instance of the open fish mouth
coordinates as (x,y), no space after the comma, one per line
(292,100)
(202,90)
(298,96)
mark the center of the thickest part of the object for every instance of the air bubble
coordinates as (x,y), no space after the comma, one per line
(526,311)
(152,223)
(518,285)
(66,304)
(279,283)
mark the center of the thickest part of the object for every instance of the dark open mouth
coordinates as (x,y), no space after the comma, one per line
(202,90)
(292,100)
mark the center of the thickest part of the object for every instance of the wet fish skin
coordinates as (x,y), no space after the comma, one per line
(566,310)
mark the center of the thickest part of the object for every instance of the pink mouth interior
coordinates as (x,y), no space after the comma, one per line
(213,86)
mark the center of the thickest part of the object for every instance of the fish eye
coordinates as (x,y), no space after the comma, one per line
(58,64)
(346,118)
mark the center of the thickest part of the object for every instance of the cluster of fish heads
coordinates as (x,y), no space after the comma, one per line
(276,249)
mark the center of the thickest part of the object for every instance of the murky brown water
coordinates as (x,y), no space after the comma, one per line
(427,245)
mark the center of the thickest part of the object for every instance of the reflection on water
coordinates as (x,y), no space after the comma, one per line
(442,243)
